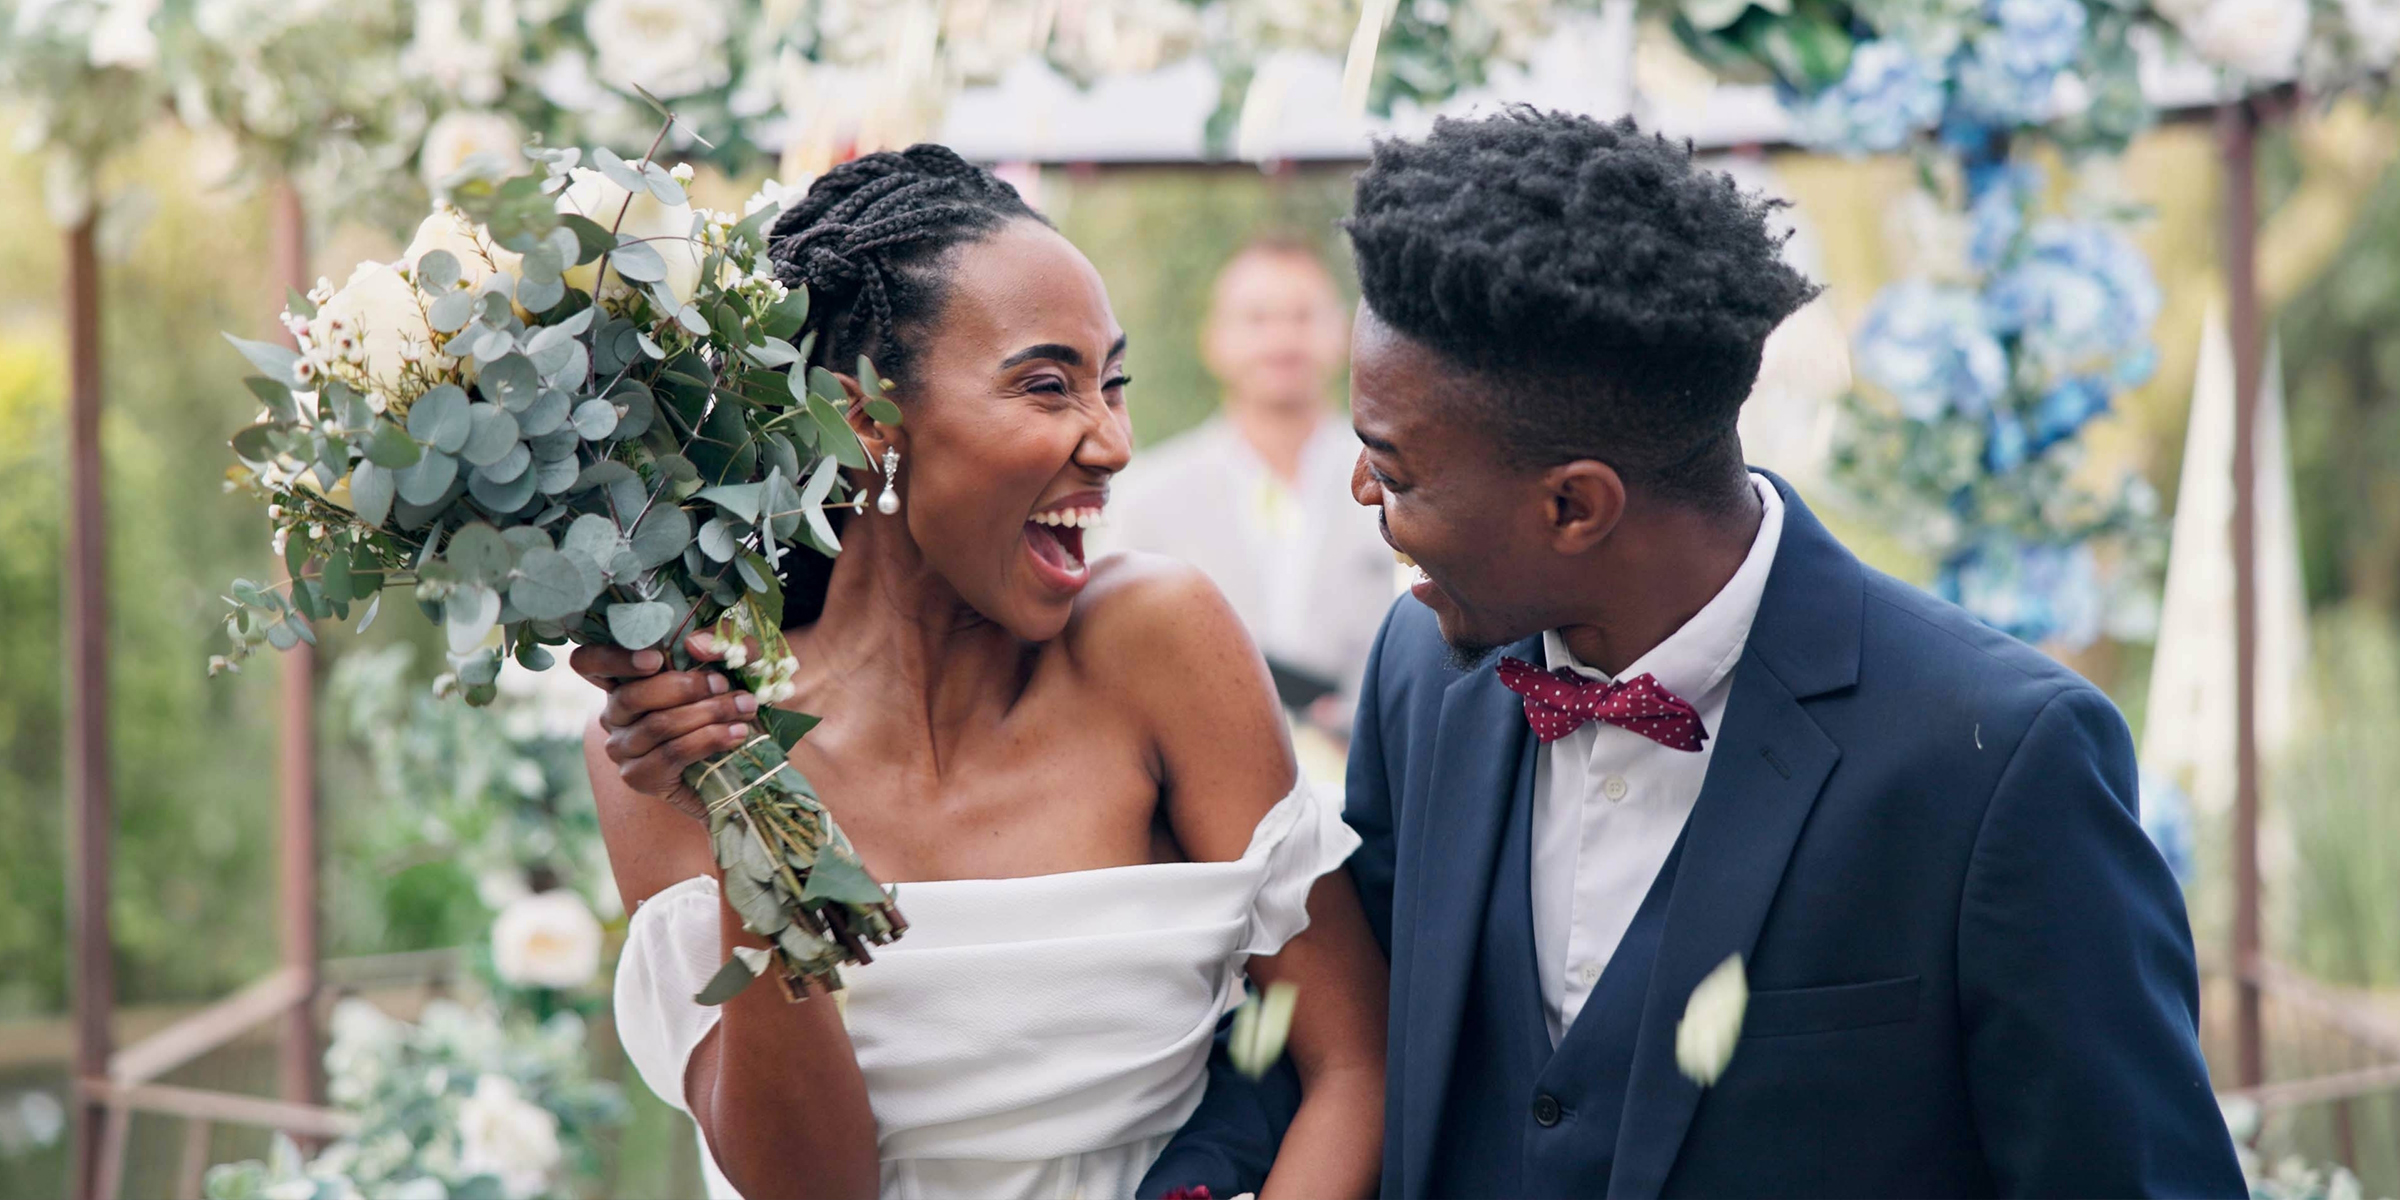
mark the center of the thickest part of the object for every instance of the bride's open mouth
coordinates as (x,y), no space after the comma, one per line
(1054,539)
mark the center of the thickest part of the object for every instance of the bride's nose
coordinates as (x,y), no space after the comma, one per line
(1107,443)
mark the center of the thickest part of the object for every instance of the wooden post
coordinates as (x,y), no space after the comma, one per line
(296,765)
(88,797)
(2237,127)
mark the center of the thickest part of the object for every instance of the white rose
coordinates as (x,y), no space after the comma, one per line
(463,135)
(667,229)
(547,940)
(447,228)
(1712,1023)
(2260,38)
(502,1134)
(384,313)
(669,47)
(122,37)
(2375,28)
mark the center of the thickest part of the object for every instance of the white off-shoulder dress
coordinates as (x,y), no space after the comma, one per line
(1034,1037)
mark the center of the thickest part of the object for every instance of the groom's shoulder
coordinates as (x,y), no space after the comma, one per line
(1926,655)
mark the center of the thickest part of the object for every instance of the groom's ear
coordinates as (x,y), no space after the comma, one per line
(1586,500)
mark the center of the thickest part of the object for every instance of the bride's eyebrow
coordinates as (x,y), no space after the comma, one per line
(1057,352)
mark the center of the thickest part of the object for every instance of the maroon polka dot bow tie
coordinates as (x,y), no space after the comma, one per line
(1559,703)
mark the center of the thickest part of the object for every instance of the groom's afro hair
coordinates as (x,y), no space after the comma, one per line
(1614,296)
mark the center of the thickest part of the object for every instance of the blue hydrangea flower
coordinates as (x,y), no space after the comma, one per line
(1997,213)
(1929,347)
(2006,444)
(2032,591)
(2063,410)
(1888,96)
(2006,72)
(2081,296)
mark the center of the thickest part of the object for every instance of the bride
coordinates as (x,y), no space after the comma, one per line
(1077,773)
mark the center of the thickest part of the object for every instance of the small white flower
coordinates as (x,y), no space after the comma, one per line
(737,656)
(547,940)
(274,512)
(316,529)
(680,172)
(282,538)
(1712,1022)
(503,1134)
(305,370)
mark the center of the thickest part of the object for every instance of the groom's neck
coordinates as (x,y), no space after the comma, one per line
(1660,567)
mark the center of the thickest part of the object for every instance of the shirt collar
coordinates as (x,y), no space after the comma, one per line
(1698,656)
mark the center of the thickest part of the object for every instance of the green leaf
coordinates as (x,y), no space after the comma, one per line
(546,414)
(255,443)
(788,315)
(692,321)
(592,239)
(428,478)
(624,174)
(637,260)
(437,271)
(299,305)
(390,446)
(549,587)
(371,489)
(502,495)
(717,541)
(273,359)
(740,499)
(469,614)
(727,983)
(661,536)
(837,876)
(771,353)
(593,536)
(275,396)
(835,434)
(755,903)
(512,381)
(595,419)
(334,576)
(374,606)
(640,626)
(439,418)
(663,185)
(638,408)
(480,554)
(883,411)
(751,858)
(450,311)
(491,434)
(541,295)
(555,477)
(785,726)
(511,465)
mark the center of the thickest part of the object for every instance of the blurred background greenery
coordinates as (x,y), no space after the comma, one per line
(194,902)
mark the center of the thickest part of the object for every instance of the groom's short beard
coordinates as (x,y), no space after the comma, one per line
(1464,657)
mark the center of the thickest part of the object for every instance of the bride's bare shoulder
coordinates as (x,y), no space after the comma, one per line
(1146,614)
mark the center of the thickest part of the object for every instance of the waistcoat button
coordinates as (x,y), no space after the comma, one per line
(1545,1110)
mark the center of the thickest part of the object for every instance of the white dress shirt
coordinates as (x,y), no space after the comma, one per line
(1609,803)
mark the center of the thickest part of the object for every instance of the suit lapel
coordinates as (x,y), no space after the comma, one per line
(1770,762)
(1479,751)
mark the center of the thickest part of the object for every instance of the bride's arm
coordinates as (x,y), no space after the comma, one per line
(774,1086)
(1223,757)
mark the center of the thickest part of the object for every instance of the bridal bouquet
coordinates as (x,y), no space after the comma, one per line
(579,410)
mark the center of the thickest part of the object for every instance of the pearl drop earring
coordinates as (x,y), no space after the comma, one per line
(889,502)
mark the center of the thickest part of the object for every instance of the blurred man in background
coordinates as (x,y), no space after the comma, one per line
(1258,497)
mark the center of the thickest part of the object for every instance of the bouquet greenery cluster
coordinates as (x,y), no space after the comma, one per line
(578,410)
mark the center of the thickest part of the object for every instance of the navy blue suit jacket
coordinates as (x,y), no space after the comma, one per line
(1970,971)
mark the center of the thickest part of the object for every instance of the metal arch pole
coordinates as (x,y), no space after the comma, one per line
(2237,127)
(90,807)
(301,1070)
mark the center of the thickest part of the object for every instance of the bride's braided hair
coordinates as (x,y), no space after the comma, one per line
(868,241)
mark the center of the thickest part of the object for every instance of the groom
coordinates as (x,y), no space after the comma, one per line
(1644,714)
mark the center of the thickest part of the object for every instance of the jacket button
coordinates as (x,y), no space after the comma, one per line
(1545,1110)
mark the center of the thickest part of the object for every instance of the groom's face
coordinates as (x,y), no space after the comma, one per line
(1477,529)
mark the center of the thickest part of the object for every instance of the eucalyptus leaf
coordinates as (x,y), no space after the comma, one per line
(479,554)
(595,419)
(619,172)
(593,536)
(511,464)
(751,858)
(692,321)
(785,726)
(371,490)
(468,616)
(439,418)
(437,271)
(663,186)
(275,396)
(512,381)
(502,495)
(637,260)
(727,983)
(539,295)
(555,477)
(717,540)
(642,625)
(256,443)
(273,359)
(661,535)
(755,903)
(424,481)
(636,409)
(883,411)
(740,499)
(592,239)
(549,587)
(837,876)
(558,445)
(450,311)
(525,538)
(546,414)
(492,433)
